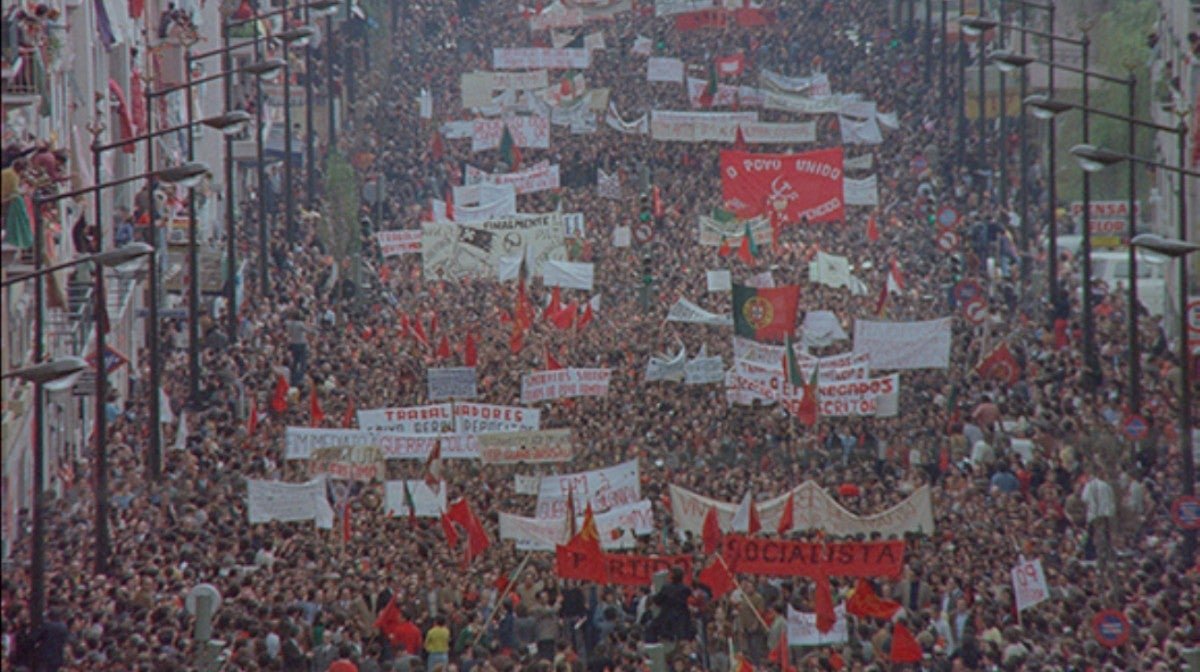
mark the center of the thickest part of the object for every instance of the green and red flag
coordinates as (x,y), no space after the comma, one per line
(509,151)
(765,314)
(710,88)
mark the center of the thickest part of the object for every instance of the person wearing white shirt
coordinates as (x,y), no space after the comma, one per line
(1097,496)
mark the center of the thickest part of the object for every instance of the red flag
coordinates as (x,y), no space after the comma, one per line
(744,252)
(565,318)
(872,228)
(739,140)
(348,415)
(717,577)
(390,621)
(436,148)
(1000,365)
(516,341)
(405,329)
(433,325)
(555,306)
(433,465)
(808,408)
(252,420)
(316,416)
(279,399)
(836,662)
(743,665)
(588,314)
(881,302)
(712,531)
(656,204)
(347,528)
(787,520)
(823,604)
(443,348)
(552,364)
(864,602)
(582,558)
(470,351)
(449,531)
(781,654)
(449,196)
(477,538)
(418,331)
(905,648)
(725,249)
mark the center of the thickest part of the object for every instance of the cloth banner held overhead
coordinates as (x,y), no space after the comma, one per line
(604,489)
(503,206)
(556,15)
(802,628)
(450,251)
(795,186)
(465,417)
(533,132)
(821,329)
(539,386)
(358,463)
(664,69)
(704,370)
(905,345)
(431,419)
(534,447)
(727,95)
(427,502)
(452,382)
(622,569)
(477,87)
(720,280)
(617,528)
(301,442)
(686,311)
(569,274)
(858,124)
(669,125)
(770,356)
(666,368)
(539,177)
(481,194)
(863,162)
(608,186)
(794,104)
(532,58)
(861,192)
(396,243)
(673,7)
(812,509)
(816,86)
(268,501)
(639,126)
(713,231)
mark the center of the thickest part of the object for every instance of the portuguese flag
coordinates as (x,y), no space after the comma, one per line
(766,314)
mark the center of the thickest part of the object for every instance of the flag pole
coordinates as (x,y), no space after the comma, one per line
(504,593)
(749,602)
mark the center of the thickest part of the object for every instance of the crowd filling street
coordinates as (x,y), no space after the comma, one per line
(1018,462)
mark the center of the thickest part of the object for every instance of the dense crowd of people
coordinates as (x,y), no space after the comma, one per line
(299,598)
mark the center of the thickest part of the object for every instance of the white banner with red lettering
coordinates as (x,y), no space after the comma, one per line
(465,417)
(812,509)
(605,489)
(677,126)
(532,447)
(533,58)
(538,386)
(539,177)
(802,628)
(531,132)
(851,397)
(396,243)
(1029,583)
(427,502)
(793,187)
(300,442)
(617,528)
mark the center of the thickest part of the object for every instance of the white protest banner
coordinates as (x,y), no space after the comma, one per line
(450,251)
(639,126)
(858,124)
(846,390)
(714,231)
(1029,583)
(802,628)
(877,397)
(594,41)
(268,501)
(861,192)
(526,485)
(664,69)
(762,354)
(426,502)
(504,206)
(686,311)
(768,133)
(641,46)
(685,126)
(477,87)
(816,85)
(480,194)
(425,104)
(396,243)
(764,280)
(905,345)
(608,186)
(666,368)
(532,58)
(451,382)
(540,386)
(672,7)
(888,120)
(704,370)
(727,94)
(415,420)
(300,442)
(357,463)
(622,236)
(531,132)
(604,489)
(617,528)
(540,177)
(472,417)
(813,509)
(821,329)
(864,162)
(457,130)
(535,447)
(569,274)
(719,281)
(556,15)
(786,102)
(833,270)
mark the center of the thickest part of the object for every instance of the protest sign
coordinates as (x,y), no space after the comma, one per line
(348,463)
(714,231)
(666,368)
(1029,583)
(778,557)
(673,7)
(526,485)
(534,447)
(664,69)
(704,370)
(556,15)
(796,187)
(539,177)
(861,192)
(905,345)
(475,418)
(532,131)
(639,126)
(427,502)
(821,329)
(396,243)
(532,58)
(300,442)
(617,527)
(432,419)
(686,311)
(452,382)
(539,386)
(268,501)
(569,274)
(604,489)
(719,281)
(451,251)
(802,628)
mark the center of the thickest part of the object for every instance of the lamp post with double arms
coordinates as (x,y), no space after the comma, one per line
(1094,159)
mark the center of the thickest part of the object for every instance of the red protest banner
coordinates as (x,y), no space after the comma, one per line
(776,557)
(623,570)
(704,18)
(787,187)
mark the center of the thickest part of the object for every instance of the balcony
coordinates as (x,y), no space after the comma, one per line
(20,87)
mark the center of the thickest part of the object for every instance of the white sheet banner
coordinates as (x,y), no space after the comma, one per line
(713,231)
(538,386)
(481,194)
(1029,583)
(686,126)
(503,206)
(764,280)
(570,274)
(864,162)
(639,126)
(300,442)
(556,16)
(727,94)
(457,130)
(672,7)
(816,85)
(860,131)
(477,87)
(526,485)
(664,69)
(450,251)
(540,177)
(802,628)
(268,501)
(531,132)
(833,270)
(861,192)
(813,509)
(426,502)
(617,528)
(417,420)
(451,382)
(532,58)
(396,243)
(466,417)
(821,329)
(607,488)
(704,370)
(686,311)
(622,236)
(536,447)
(666,368)
(475,418)
(905,345)
(786,102)
(720,280)
(641,46)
